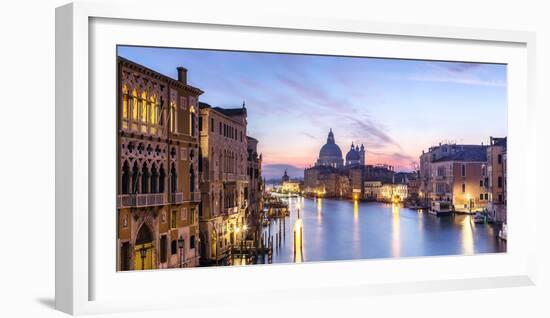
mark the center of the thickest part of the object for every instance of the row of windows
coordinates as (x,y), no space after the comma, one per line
(140,108)
(147,111)
(225,130)
(145,180)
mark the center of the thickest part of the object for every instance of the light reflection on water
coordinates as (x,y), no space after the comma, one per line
(396,231)
(343,230)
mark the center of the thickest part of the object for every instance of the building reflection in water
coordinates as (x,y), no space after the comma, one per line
(396,235)
(467,236)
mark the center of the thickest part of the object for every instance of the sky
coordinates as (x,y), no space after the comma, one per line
(396,108)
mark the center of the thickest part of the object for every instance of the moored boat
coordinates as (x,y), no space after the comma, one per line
(440,208)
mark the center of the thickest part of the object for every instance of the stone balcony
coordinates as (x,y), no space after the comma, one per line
(141,200)
(176,197)
(229,211)
(195,196)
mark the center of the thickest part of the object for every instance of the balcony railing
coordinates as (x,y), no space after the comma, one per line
(196,196)
(141,200)
(176,197)
(234,177)
(229,211)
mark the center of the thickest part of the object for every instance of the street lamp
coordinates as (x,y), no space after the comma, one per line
(180,245)
(143,254)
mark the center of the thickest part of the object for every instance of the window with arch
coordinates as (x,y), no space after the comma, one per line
(154,179)
(174,181)
(143,110)
(162,176)
(173,117)
(135,178)
(125,106)
(145,179)
(134,109)
(153,114)
(125,178)
(192,121)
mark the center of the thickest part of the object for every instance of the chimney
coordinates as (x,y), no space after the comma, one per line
(182,74)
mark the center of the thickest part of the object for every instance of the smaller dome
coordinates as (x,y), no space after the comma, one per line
(353,155)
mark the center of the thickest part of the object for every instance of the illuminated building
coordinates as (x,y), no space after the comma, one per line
(157,169)
(255,188)
(393,192)
(333,177)
(372,190)
(291,186)
(224,181)
(495,180)
(455,173)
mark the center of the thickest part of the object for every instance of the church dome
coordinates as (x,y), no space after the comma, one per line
(330,150)
(353,155)
(330,154)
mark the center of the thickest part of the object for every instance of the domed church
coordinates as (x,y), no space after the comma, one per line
(355,156)
(330,154)
(331,176)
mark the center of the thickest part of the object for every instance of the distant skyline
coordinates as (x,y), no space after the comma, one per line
(396,108)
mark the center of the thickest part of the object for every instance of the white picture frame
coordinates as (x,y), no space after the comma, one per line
(77,253)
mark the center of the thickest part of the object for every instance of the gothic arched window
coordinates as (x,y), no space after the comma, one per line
(153,114)
(135,176)
(173,117)
(174,176)
(125,106)
(143,107)
(134,109)
(192,121)
(162,175)
(145,179)
(125,178)
(154,179)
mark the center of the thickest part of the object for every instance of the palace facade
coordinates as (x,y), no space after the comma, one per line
(495,181)
(456,174)
(223,181)
(255,190)
(157,169)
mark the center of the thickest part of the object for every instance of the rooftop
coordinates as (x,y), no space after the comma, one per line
(466,153)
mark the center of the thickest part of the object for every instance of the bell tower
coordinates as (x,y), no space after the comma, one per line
(363,155)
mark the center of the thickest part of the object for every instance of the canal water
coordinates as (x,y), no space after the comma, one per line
(345,230)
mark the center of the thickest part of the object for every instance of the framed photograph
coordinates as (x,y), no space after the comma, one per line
(279,155)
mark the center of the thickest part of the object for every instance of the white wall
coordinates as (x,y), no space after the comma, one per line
(27,178)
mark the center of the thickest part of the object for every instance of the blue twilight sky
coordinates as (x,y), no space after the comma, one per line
(396,108)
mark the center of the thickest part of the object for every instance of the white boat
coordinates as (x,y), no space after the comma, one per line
(479,218)
(440,208)
(503,233)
